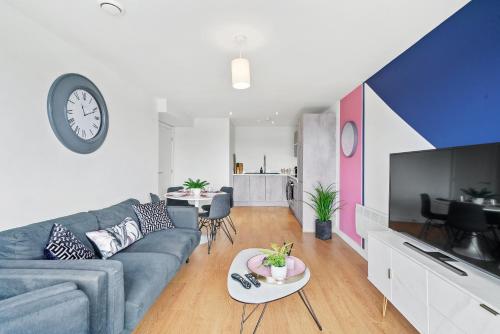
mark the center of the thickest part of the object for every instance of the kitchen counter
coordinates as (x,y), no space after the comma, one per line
(260,189)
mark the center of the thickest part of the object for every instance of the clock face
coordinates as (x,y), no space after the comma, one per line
(83,114)
(349,139)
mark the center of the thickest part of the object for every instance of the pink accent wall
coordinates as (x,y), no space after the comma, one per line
(351,169)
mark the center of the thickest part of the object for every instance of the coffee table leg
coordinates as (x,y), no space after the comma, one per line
(242,318)
(260,318)
(245,318)
(303,296)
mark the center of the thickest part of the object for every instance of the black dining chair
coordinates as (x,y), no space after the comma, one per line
(469,224)
(176,202)
(227,190)
(214,219)
(432,219)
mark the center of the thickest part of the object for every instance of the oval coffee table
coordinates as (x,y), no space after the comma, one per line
(266,293)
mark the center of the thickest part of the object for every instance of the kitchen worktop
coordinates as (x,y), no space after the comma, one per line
(260,189)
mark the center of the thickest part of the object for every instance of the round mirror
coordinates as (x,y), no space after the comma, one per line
(349,139)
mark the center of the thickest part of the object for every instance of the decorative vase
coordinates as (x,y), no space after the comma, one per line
(278,273)
(323,230)
(196,191)
(478,201)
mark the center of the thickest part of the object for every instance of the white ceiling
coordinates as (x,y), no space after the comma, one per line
(304,54)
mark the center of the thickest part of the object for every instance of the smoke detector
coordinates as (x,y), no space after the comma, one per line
(112,7)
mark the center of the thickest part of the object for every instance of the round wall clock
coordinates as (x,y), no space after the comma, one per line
(349,139)
(77,113)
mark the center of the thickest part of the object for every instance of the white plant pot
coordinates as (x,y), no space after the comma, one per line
(479,201)
(278,273)
(196,191)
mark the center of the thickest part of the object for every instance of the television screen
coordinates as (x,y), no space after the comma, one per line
(450,199)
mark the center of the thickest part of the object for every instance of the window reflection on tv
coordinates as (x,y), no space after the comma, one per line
(450,199)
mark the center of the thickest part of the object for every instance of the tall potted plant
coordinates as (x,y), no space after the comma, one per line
(324,202)
(195,185)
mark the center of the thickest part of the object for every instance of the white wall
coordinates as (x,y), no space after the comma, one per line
(202,151)
(385,133)
(41,179)
(276,142)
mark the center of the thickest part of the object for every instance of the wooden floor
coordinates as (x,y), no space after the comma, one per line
(197,301)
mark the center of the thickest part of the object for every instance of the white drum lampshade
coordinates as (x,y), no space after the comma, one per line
(240,70)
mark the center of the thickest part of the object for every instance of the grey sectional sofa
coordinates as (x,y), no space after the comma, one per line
(89,296)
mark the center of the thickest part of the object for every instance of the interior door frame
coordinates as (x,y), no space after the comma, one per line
(172,155)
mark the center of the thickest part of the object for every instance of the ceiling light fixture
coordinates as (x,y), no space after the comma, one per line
(276,113)
(112,7)
(240,67)
(230,113)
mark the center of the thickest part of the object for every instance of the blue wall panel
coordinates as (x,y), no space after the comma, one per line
(447,85)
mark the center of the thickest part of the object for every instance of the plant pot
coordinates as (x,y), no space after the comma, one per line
(278,273)
(323,230)
(196,191)
(478,201)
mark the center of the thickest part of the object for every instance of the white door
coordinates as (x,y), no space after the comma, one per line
(165,145)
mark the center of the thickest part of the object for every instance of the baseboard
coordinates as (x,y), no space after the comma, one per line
(350,242)
(267,203)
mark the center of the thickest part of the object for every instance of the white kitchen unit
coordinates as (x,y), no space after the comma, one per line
(434,299)
(260,190)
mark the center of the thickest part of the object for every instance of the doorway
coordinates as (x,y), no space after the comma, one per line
(165,163)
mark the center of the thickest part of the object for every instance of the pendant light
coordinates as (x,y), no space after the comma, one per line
(240,67)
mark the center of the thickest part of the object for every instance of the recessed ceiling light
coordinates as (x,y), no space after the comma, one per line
(276,113)
(112,7)
(272,122)
(230,113)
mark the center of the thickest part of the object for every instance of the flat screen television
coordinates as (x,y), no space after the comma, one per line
(450,199)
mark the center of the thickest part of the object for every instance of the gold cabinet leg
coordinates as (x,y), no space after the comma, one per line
(384,307)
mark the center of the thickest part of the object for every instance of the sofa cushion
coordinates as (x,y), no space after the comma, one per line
(153,216)
(28,242)
(115,214)
(64,245)
(145,277)
(178,242)
(113,239)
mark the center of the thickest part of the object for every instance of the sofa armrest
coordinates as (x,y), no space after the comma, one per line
(33,311)
(184,217)
(112,301)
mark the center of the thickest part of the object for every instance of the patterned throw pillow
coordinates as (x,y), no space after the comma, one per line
(64,245)
(153,217)
(115,238)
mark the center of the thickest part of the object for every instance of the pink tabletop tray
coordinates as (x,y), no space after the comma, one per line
(263,273)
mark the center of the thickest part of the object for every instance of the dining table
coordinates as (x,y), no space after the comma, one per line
(186,195)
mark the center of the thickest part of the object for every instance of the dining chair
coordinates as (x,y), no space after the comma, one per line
(176,202)
(227,190)
(214,219)
(432,219)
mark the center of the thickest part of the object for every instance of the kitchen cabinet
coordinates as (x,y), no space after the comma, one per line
(257,188)
(275,189)
(260,190)
(241,188)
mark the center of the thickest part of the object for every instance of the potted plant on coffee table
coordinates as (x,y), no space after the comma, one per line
(324,202)
(276,259)
(195,185)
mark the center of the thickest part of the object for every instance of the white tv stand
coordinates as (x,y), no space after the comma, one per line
(434,299)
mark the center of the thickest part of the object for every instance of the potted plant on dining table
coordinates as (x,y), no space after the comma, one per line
(195,186)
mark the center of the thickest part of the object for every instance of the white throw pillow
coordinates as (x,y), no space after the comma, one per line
(113,239)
